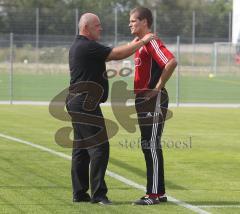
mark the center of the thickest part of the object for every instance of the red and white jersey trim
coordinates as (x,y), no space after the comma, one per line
(158,51)
(144,71)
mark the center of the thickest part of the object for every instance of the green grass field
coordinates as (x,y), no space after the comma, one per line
(203,173)
(192,88)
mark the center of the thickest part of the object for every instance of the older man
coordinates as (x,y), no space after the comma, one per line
(87,65)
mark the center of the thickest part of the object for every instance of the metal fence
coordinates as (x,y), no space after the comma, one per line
(34,55)
(193,27)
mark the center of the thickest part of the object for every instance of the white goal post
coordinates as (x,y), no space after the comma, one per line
(226,58)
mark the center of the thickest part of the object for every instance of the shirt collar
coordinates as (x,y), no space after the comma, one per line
(81,37)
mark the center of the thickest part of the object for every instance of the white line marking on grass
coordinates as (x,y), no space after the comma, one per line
(171,105)
(141,187)
(32,103)
(194,208)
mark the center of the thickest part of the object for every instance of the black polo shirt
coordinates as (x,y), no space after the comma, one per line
(87,63)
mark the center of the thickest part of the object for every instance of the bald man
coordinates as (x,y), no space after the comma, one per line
(87,65)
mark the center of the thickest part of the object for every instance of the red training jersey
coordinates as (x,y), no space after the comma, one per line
(150,61)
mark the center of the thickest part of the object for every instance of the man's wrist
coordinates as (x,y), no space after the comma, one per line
(143,43)
(159,88)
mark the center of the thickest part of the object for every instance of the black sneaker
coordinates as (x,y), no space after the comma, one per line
(146,201)
(102,201)
(105,201)
(162,198)
(83,198)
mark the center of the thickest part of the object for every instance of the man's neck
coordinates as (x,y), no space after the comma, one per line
(84,34)
(143,33)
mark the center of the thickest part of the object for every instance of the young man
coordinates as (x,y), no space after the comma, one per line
(154,65)
(87,68)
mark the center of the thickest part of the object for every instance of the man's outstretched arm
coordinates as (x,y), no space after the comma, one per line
(124,51)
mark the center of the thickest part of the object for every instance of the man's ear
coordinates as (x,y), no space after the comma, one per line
(86,29)
(145,22)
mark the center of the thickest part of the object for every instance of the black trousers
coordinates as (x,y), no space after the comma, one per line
(88,164)
(151,118)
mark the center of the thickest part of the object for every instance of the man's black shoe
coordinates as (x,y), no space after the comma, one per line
(162,198)
(146,201)
(82,198)
(102,201)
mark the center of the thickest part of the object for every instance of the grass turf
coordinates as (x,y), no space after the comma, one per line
(42,87)
(201,173)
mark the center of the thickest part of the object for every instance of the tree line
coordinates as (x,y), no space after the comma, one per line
(173,17)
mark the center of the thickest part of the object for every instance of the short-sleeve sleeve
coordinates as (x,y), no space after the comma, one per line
(98,51)
(159,52)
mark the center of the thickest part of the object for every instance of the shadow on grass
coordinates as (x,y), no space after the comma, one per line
(225,203)
(142,173)
(122,188)
(117,203)
(27,187)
